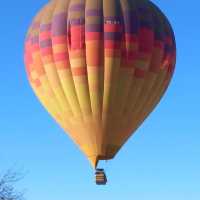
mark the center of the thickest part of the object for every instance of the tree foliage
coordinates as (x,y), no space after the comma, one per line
(8,182)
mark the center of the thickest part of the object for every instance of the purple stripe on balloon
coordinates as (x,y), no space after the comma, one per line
(59,24)
(77,7)
(94,28)
(131,24)
(45,43)
(157,22)
(35,25)
(168,49)
(158,28)
(94,12)
(35,39)
(143,10)
(159,35)
(167,30)
(112,19)
(146,24)
(45,27)
(79,21)
(112,36)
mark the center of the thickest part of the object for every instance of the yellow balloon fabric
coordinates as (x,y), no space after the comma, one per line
(100,67)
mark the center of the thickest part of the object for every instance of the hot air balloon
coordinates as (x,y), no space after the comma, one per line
(100,67)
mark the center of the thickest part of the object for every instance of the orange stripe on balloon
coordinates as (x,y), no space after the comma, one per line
(79,71)
(48,59)
(94,60)
(62,65)
(37,82)
(112,53)
(77,54)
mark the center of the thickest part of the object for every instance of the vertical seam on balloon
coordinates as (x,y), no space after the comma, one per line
(161,87)
(70,67)
(50,85)
(113,74)
(69,49)
(98,96)
(156,80)
(132,81)
(118,95)
(117,81)
(59,75)
(57,106)
(142,84)
(45,72)
(132,88)
(56,70)
(150,86)
(103,89)
(93,137)
(146,111)
(85,53)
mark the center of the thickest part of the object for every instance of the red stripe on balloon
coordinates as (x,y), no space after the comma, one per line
(46,51)
(59,39)
(60,57)
(112,28)
(146,40)
(35,48)
(109,44)
(159,44)
(93,36)
(139,73)
(131,38)
(45,35)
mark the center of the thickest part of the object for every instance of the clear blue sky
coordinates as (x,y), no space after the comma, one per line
(162,161)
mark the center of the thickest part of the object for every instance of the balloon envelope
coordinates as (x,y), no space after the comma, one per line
(100,67)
